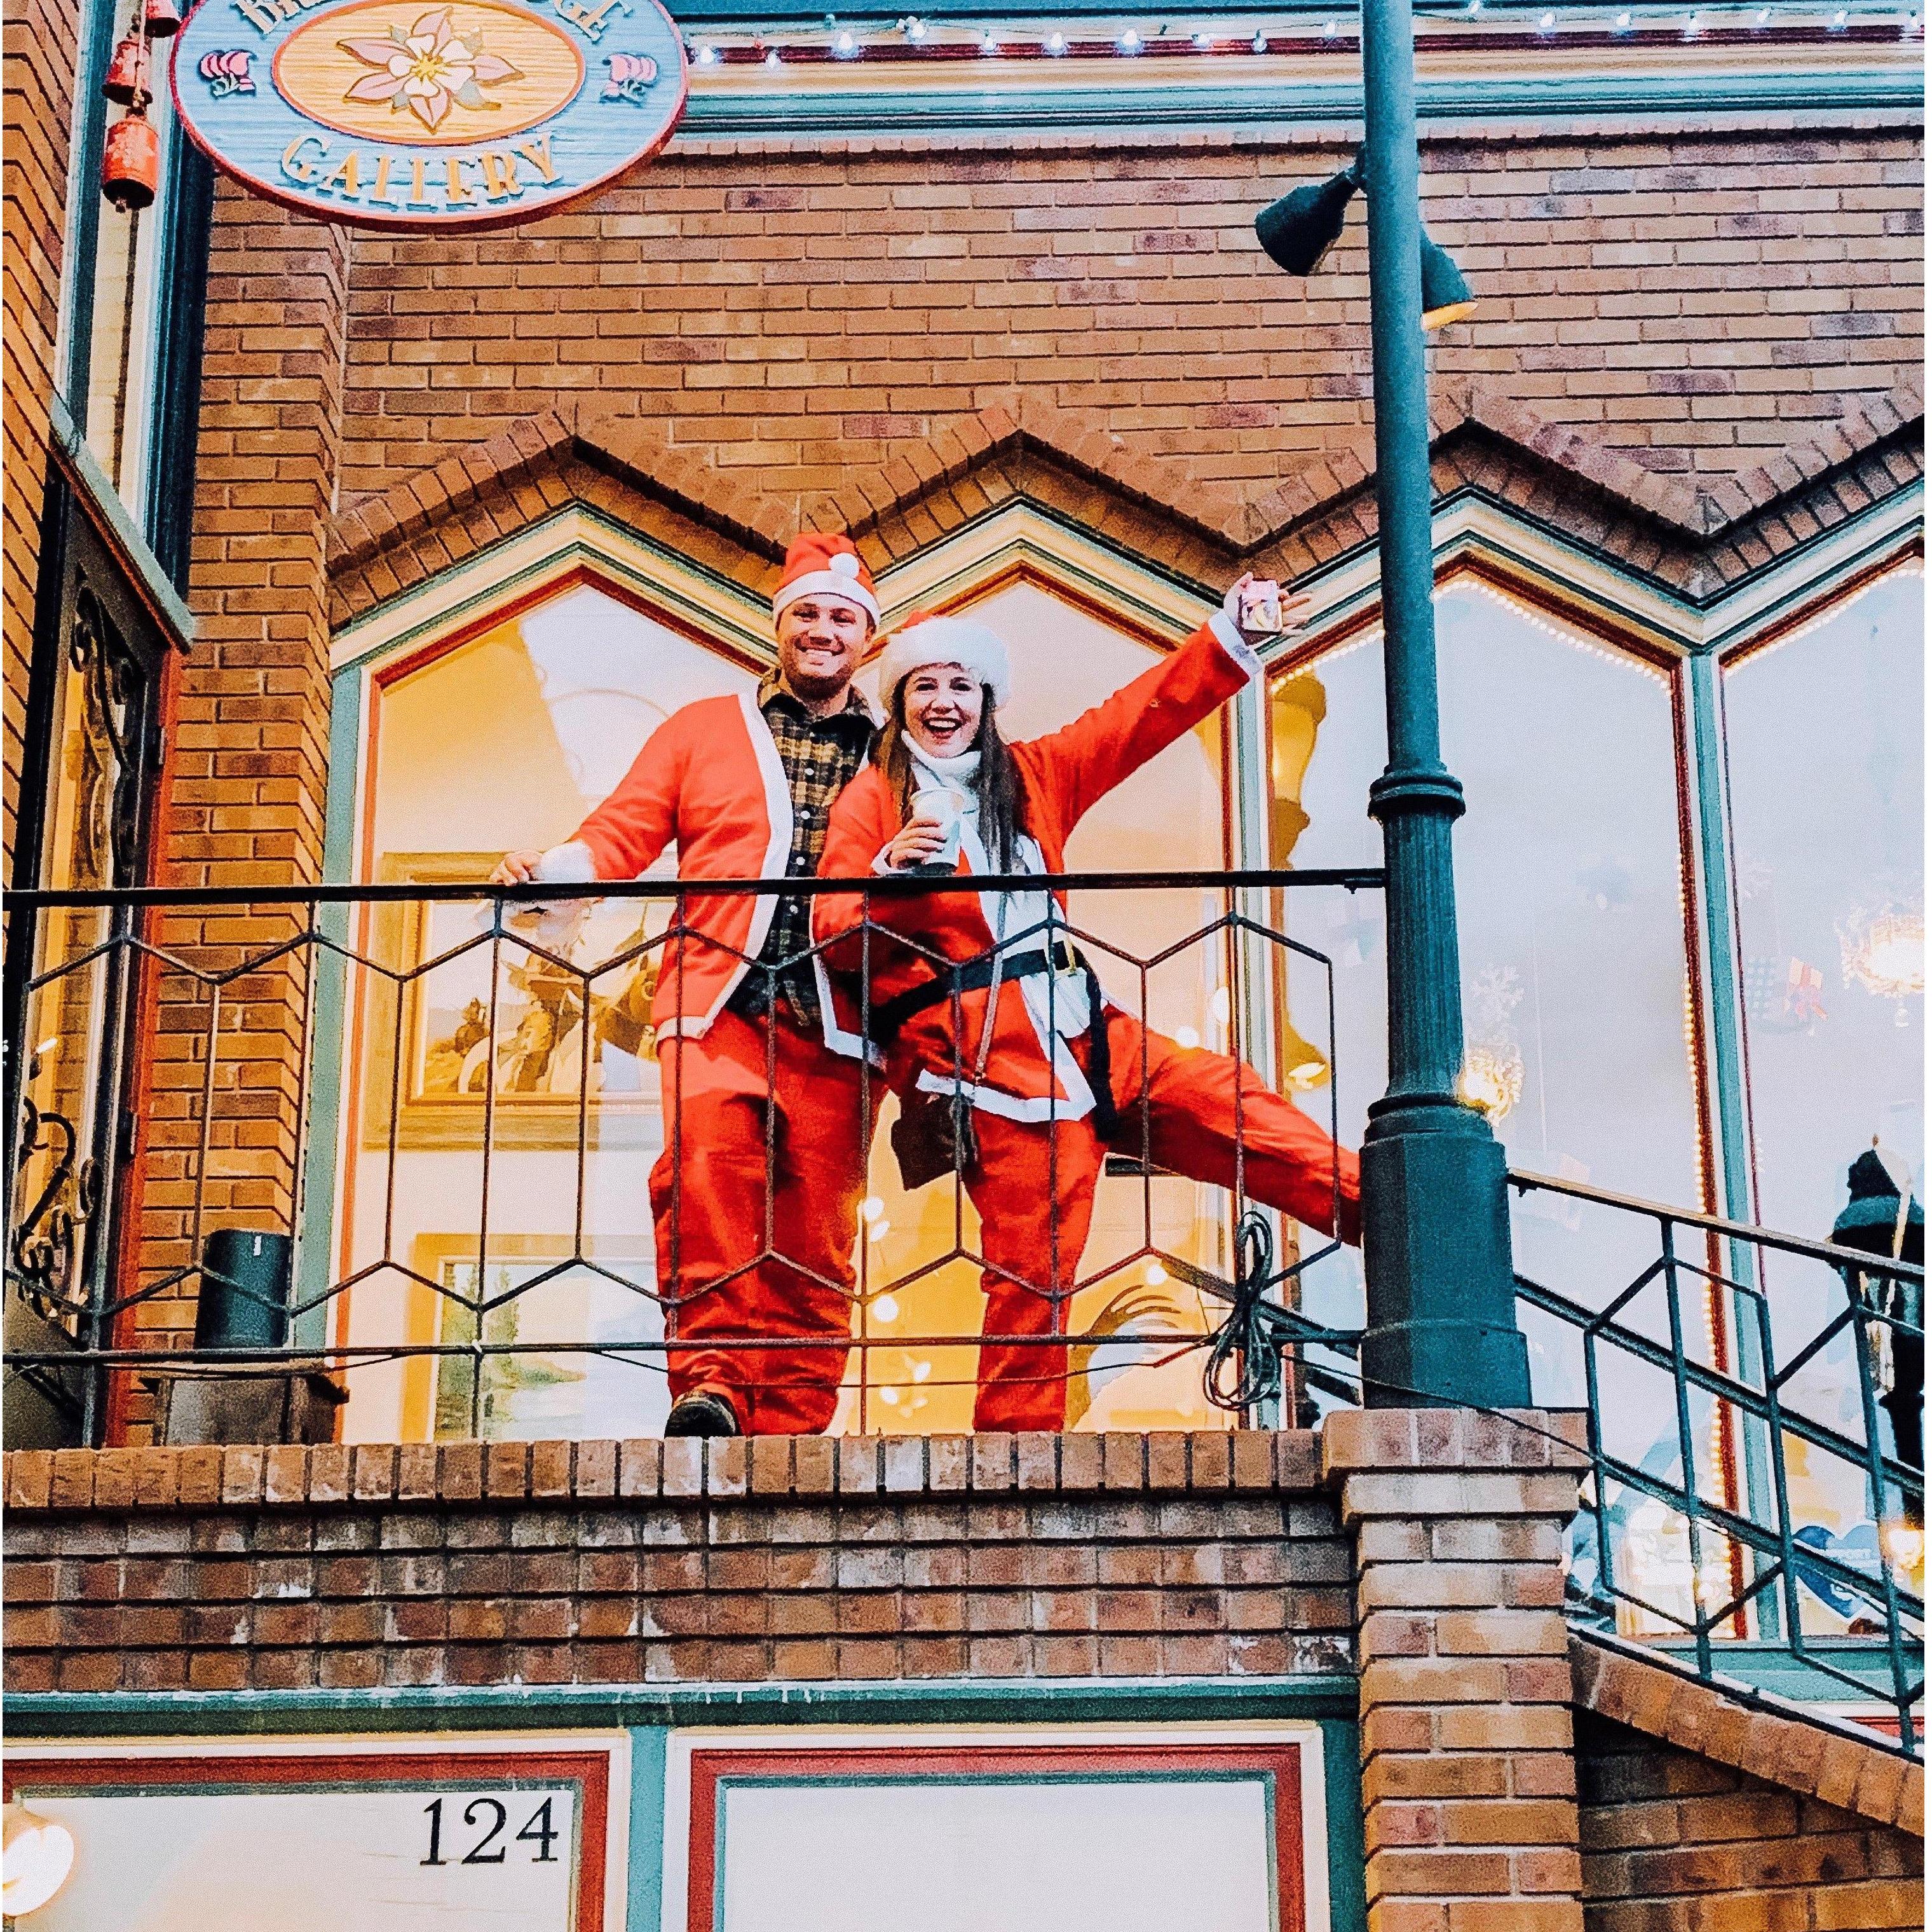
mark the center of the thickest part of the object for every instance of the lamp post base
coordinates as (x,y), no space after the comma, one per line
(1435,1242)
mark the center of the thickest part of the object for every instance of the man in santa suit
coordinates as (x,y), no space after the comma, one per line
(748,1043)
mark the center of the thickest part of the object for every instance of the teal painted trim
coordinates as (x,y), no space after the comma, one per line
(315,1232)
(51,1714)
(1772,1668)
(644,1897)
(1721,947)
(490,587)
(1348,1850)
(127,536)
(1812,93)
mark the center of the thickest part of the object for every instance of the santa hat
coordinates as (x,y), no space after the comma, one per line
(923,640)
(825,566)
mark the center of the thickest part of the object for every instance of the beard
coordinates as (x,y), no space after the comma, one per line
(816,687)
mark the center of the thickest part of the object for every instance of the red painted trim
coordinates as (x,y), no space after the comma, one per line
(582,574)
(1912,547)
(589,1771)
(711,1768)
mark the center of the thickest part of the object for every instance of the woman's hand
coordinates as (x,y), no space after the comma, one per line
(1294,610)
(518,869)
(917,843)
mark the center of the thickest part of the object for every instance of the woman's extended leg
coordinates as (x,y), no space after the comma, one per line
(1209,1116)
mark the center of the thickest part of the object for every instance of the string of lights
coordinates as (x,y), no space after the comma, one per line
(918,38)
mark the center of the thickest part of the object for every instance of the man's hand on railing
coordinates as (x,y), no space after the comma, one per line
(516,868)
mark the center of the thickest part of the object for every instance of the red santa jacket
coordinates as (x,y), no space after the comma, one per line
(1030,1071)
(709,779)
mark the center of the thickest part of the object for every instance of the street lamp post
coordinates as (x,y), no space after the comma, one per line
(1442,1299)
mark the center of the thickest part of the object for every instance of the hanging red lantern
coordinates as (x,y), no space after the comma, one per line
(163,18)
(130,163)
(127,81)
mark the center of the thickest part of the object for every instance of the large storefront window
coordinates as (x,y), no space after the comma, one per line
(1569,881)
(507,741)
(1824,733)
(1824,739)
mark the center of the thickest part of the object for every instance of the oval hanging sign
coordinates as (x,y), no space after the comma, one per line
(436,114)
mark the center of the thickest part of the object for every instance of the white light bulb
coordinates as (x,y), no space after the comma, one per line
(878,1230)
(921,1371)
(1186,1036)
(1547,24)
(1327,30)
(1129,42)
(844,45)
(1056,43)
(886,1309)
(988,44)
(1475,8)
(1838,21)
(774,59)
(1623,23)
(1260,42)
(890,1395)
(871,1208)
(915,28)
(1220,1005)
(1156,1274)
(706,55)
(1203,39)
(1692,28)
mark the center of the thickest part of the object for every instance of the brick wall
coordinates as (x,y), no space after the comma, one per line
(248,775)
(40,57)
(1674,1839)
(1075,1556)
(1697,300)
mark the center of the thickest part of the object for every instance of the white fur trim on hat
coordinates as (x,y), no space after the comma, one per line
(938,640)
(839,578)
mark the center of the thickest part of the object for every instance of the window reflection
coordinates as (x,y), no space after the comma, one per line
(507,741)
(1570,880)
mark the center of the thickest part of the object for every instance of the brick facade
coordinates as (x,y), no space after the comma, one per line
(993,1556)
(1468,1779)
(795,313)
(1673,1839)
(248,774)
(41,43)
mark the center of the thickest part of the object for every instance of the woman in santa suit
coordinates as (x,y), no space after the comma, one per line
(1053,1075)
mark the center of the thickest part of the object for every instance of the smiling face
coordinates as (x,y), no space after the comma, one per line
(943,705)
(819,639)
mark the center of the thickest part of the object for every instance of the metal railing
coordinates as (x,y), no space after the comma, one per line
(1773,1528)
(311,1063)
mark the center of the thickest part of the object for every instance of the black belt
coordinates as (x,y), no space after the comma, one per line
(889,1015)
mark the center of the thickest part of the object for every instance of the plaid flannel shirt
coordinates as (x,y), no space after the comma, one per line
(821,756)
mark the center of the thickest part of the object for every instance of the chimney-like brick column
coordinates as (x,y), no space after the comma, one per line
(1469,1765)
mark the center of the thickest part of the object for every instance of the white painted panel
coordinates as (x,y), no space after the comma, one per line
(310,1861)
(1098,1856)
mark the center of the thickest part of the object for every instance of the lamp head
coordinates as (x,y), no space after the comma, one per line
(1446,297)
(36,1855)
(1301,228)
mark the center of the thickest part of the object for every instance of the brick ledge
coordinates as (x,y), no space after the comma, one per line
(1192,1463)
(1779,1743)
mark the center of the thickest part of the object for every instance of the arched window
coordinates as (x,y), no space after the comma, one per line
(453,1183)
(1571,879)
(1825,742)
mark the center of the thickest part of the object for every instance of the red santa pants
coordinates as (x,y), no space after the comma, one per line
(1198,1113)
(744,1254)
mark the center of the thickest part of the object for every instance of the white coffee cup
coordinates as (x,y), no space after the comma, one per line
(942,804)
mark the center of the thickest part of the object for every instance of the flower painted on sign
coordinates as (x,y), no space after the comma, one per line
(630,77)
(429,70)
(226,72)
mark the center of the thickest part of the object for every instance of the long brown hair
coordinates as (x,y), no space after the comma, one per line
(997,784)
